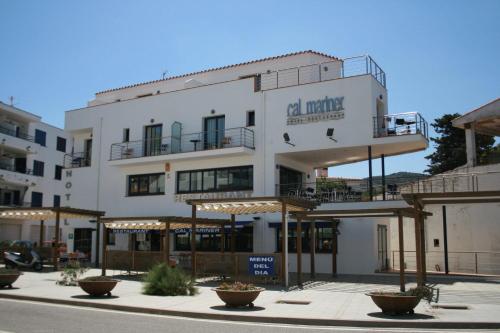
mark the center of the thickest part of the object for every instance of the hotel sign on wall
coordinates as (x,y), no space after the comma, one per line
(324,109)
(212,195)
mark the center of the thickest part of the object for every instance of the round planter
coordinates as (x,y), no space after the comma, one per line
(394,304)
(235,298)
(6,280)
(98,288)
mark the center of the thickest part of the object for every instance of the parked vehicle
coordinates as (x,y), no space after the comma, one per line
(22,254)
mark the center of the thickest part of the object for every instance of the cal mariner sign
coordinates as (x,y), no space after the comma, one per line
(327,108)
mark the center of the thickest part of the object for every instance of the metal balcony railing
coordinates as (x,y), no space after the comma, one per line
(400,124)
(209,140)
(17,134)
(332,70)
(77,160)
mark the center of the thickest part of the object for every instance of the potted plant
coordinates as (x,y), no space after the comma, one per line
(98,285)
(238,294)
(398,303)
(8,277)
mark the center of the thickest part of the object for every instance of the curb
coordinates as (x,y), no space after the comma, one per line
(263,319)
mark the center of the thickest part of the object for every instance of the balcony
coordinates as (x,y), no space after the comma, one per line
(77,160)
(332,70)
(408,123)
(10,167)
(16,134)
(185,143)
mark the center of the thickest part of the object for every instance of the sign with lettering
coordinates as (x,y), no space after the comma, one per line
(261,265)
(315,110)
(212,195)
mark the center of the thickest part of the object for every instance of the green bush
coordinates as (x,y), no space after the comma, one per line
(163,280)
(71,274)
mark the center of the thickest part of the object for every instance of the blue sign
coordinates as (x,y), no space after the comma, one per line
(261,265)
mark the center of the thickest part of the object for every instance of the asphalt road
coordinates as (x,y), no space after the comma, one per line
(26,317)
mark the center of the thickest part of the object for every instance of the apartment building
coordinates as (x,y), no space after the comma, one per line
(259,128)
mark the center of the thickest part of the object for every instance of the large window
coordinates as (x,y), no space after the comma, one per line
(38,168)
(211,241)
(215,180)
(323,239)
(61,144)
(58,172)
(150,184)
(40,137)
(36,199)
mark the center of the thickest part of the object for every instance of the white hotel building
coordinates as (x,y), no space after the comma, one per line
(259,128)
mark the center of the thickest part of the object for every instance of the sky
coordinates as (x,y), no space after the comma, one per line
(439,56)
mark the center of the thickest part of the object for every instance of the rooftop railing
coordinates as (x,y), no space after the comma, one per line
(332,70)
(185,143)
(400,124)
(17,134)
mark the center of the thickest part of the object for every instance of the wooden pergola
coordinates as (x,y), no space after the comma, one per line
(43,214)
(418,216)
(420,200)
(252,205)
(162,223)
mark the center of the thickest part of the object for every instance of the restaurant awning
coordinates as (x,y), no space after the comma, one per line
(47,213)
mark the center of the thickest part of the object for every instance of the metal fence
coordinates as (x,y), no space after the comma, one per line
(207,140)
(77,160)
(337,69)
(10,167)
(466,262)
(17,134)
(400,124)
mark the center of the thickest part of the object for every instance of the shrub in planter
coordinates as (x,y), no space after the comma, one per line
(397,303)
(71,274)
(8,277)
(163,280)
(98,285)
(238,294)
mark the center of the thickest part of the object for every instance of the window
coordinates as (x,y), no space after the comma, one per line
(58,173)
(40,137)
(215,180)
(38,167)
(210,240)
(250,118)
(126,135)
(61,144)
(324,240)
(149,184)
(36,199)
(436,242)
(57,200)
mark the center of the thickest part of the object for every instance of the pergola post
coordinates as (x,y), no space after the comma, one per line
(334,248)
(42,238)
(193,241)
(312,247)
(284,245)
(382,157)
(401,253)
(370,174)
(166,244)
(104,250)
(422,247)
(445,242)
(418,244)
(56,245)
(233,234)
(299,251)
(222,238)
(97,240)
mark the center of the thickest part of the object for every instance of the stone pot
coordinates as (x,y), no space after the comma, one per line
(98,288)
(235,298)
(395,304)
(6,280)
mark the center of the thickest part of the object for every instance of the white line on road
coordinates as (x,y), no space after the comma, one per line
(230,322)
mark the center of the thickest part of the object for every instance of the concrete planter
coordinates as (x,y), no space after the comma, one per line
(6,280)
(98,288)
(395,304)
(236,298)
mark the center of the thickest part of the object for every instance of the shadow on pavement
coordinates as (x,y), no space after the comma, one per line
(238,309)
(416,316)
(94,297)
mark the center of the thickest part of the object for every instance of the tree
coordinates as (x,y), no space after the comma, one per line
(450,150)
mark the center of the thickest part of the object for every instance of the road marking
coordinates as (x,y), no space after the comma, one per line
(243,323)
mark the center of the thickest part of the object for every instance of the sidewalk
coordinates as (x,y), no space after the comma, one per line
(342,302)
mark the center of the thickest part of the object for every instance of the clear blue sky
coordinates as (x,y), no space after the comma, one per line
(439,56)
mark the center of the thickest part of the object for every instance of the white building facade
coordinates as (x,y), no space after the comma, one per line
(254,129)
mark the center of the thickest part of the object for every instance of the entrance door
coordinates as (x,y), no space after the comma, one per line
(83,241)
(87,150)
(290,181)
(152,140)
(213,129)
(383,260)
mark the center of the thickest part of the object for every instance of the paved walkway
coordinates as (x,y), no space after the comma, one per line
(342,299)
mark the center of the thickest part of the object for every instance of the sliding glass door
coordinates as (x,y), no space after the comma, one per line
(152,140)
(214,132)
